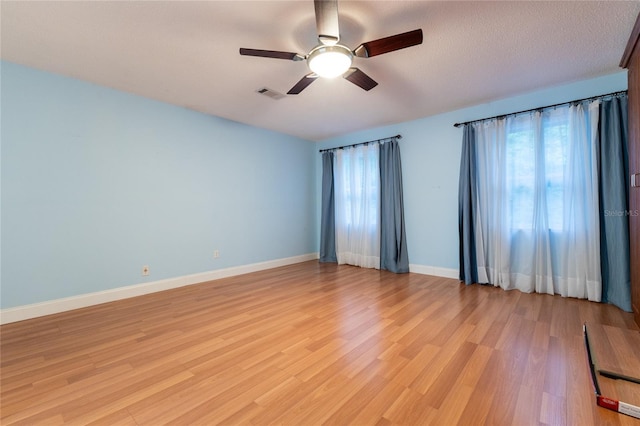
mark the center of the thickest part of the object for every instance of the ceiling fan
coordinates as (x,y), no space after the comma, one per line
(330,58)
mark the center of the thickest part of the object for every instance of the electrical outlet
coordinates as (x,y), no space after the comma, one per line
(145,270)
(216,254)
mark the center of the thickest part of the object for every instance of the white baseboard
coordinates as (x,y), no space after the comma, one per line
(434,270)
(20,313)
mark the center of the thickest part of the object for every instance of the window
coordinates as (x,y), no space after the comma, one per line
(362,220)
(534,195)
(534,205)
(359,188)
(357,204)
(535,168)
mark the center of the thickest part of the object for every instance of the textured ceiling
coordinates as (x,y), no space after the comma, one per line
(186,53)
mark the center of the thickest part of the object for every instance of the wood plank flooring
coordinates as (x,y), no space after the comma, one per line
(310,344)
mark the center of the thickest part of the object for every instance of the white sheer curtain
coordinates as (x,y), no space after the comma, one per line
(581,223)
(537,225)
(357,206)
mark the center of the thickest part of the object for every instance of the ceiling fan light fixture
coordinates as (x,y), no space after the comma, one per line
(330,61)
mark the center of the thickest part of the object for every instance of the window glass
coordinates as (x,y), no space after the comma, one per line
(532,164)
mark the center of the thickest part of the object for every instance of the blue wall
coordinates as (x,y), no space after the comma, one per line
(97,183)
(430,150)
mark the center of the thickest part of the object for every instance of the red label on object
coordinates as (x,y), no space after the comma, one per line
(611,404)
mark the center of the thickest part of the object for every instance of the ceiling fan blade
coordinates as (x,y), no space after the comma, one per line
(389,44)
(327,21)
(302,84)
(271,54)
(361,79)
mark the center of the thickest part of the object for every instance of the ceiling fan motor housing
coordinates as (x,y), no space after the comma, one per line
(330,61)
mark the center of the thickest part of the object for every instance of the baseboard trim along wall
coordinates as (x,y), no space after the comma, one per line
(50,307)
(434,270)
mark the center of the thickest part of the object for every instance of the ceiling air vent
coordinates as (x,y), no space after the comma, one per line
(270,93)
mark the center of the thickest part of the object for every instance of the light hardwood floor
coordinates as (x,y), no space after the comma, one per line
(310,344)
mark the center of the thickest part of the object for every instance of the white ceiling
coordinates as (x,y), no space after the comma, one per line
(186,53)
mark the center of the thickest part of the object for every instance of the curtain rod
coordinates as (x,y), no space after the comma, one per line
(541,108)
(361,143)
